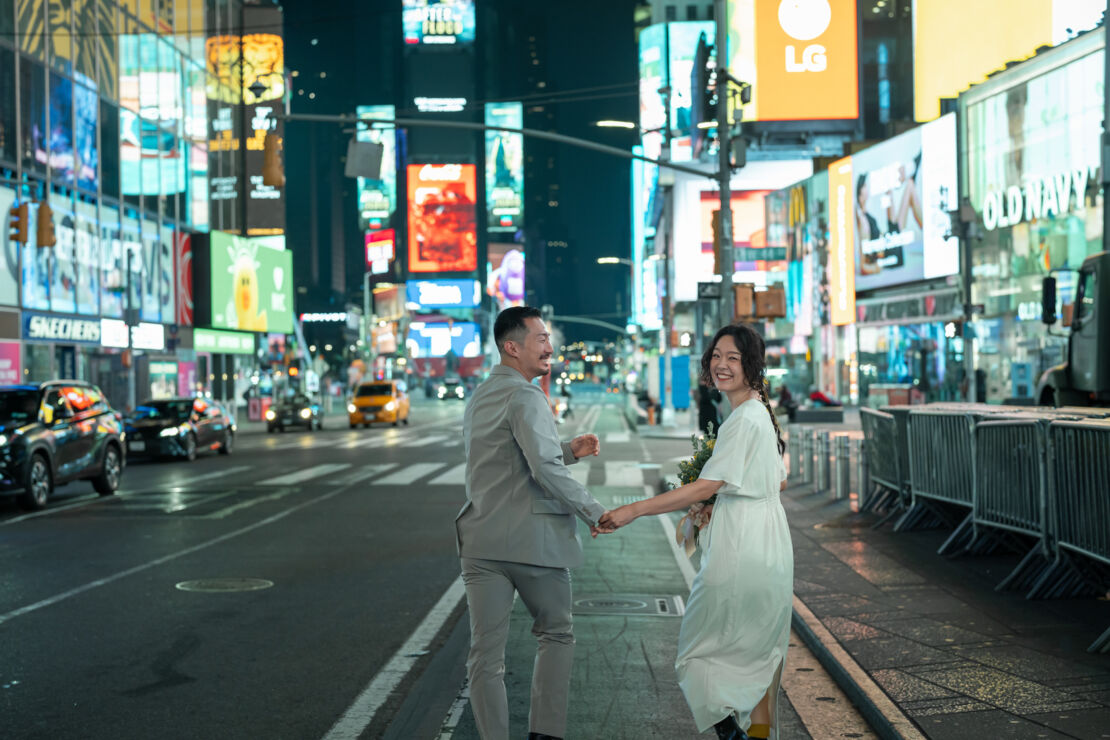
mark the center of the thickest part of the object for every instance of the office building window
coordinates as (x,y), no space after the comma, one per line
(691,12)
(670,13)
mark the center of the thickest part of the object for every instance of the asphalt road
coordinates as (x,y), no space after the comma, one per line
(352,528)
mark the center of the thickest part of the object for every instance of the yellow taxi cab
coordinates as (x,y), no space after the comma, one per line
(381,401)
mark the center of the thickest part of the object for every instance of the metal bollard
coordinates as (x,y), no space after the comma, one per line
(823,476)
(843,467)
(863,472)
(795,448)
(809,448)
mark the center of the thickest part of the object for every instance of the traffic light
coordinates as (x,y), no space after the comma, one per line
(17,225)
(45,226)
(273,173)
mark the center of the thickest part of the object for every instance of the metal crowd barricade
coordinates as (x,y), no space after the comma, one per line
(1079,507)
(1011,489)
(879,436)
(942,468)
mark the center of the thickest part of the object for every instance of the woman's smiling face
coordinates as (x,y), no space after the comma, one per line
(725,367)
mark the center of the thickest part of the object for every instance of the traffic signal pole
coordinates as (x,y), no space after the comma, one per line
(724,166)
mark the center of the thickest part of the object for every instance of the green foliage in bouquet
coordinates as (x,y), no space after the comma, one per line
(689,470)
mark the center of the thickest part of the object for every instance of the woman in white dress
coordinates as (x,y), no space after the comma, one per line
(732,644)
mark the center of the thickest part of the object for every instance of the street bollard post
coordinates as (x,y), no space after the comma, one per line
(823,477)
(795,448)
(843,467)
(863,474)
(809,444)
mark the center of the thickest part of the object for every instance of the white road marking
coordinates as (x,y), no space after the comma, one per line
(618,437)
(455,476)
(580,471)
(427,441)
(300,476)
(408,474)
(7,616)
(367,471)
(624,473)
(684,565)
(121,494)
(361,713)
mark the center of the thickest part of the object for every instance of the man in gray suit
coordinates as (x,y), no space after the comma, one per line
(517,530)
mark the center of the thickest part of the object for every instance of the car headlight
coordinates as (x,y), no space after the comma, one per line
(3,439)
(442,392)
(459,392)
(171,432)
(270,415)
(305,413)
(390,406)
(351,408)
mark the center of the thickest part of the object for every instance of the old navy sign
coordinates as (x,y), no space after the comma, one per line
(1040,197)
(39,327)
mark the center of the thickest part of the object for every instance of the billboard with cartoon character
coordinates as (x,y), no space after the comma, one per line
(505,274)
(252,284)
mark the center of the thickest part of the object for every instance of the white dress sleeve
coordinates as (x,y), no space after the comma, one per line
(731,458)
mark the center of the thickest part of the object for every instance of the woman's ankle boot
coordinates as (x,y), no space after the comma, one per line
(729,729)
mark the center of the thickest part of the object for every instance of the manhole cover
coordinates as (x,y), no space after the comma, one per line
(224,585)
(642,605)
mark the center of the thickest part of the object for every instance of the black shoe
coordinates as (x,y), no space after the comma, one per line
(541,736)
(729,729)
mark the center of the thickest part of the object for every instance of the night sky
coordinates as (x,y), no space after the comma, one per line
(579,45)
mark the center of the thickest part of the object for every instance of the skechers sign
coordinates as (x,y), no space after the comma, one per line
(443,293)
(45,328)
(1040,197)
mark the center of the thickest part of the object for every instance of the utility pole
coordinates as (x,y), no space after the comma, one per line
(724,168)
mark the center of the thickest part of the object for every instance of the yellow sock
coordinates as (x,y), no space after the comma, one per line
(760,731)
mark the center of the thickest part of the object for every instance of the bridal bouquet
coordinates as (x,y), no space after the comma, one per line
(689,526)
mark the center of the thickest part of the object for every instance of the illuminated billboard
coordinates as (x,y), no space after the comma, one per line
(842,264)
(504,168)
(378,198)
(682,42)
(150,117)
(424,294)
(900,195)
(442,221)
(437,339)
(252,284)
(381,249)
(438,22)
(1017,29)
(800,57)
(653,114)
(505,274)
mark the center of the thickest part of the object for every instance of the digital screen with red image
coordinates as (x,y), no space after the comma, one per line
(442,218)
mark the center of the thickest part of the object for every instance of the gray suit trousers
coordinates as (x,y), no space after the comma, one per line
(489,595)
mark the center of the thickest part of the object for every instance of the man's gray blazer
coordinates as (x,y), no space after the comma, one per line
(521,499)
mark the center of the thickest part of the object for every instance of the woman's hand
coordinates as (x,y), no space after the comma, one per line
(618,517)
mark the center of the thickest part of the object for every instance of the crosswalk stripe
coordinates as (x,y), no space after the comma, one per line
(408,474)
(624,473)
(616,437)
(361,474)
(455,476)
(300,476)
(426,441)
(580,472)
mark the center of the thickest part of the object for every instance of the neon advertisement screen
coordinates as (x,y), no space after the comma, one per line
(441,219)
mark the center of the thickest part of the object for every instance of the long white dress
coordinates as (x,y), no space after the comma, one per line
(732,644)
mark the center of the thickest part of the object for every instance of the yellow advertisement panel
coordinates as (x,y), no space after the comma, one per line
(800,57)
(986,33)
(842,240)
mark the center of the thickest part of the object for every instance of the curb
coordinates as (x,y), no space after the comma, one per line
(884,716)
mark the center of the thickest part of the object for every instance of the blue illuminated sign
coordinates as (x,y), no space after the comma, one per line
(442,293)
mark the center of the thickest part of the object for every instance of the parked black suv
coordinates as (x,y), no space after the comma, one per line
(54,433)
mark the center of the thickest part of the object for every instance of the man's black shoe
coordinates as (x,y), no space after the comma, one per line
(729,729)
(540,736)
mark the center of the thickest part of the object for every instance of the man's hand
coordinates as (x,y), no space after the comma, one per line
(587,444)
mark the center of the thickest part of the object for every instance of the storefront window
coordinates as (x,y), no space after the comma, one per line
(919,358)
(1033,177)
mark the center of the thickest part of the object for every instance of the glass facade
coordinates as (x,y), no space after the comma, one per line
(102,109)
(1031,149)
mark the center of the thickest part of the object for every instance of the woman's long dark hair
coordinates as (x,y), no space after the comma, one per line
(753,361)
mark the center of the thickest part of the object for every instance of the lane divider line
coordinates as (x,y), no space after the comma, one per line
(362,712)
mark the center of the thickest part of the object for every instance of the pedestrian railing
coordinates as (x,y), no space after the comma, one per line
(887,479)
(1080,505)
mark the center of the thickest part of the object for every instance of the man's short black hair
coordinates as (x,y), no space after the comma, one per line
(511,322)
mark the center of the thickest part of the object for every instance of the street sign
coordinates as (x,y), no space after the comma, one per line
(709,291)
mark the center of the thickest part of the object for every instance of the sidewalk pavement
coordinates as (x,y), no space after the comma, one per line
(624,683)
